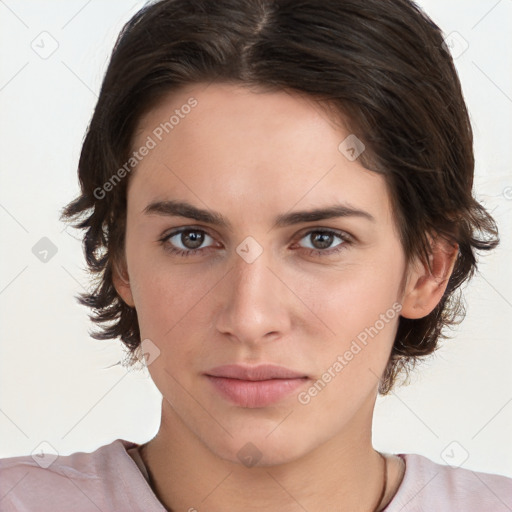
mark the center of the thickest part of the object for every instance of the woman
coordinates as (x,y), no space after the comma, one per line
(277,198)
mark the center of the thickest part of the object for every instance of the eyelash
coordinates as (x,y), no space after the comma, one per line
(345,237)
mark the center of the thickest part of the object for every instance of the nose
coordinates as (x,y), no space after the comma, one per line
(256,303)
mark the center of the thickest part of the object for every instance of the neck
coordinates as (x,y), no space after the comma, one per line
(345,473)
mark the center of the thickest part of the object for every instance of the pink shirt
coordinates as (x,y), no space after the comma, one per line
(113,478)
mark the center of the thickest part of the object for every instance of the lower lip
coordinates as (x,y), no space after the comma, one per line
(261,393)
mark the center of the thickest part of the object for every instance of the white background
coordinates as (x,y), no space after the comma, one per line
(54,384)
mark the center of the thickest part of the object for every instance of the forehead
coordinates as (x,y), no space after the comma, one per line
(223,143)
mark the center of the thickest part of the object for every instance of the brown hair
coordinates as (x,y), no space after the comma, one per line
(381,64)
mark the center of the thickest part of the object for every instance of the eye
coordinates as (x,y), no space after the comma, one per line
(322,240)
(185,242)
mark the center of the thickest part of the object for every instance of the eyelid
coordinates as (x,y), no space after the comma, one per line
(164,238)
(345,235)
(178,231)
(346,240)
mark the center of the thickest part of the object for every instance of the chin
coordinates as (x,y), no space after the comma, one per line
(259,450)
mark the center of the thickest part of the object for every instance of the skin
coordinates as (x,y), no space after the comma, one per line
(251,156)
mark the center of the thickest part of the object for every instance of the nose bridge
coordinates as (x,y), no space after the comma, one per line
(252,301)
(252,280)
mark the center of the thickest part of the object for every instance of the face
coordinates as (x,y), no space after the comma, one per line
(253,280)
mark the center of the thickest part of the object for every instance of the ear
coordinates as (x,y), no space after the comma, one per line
(121,282)
(425,287)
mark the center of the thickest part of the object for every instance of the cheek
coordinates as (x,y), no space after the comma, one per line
(163,293)
(363,313)
(350,299)
(359,304)
(166,302)
(174,310)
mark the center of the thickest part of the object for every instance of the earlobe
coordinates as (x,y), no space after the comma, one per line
(425,287)
(121,282)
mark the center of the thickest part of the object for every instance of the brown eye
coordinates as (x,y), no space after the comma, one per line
(185,242)
(192,239)
(322,240)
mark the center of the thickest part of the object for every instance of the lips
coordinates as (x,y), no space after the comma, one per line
(260,372)
(255,386)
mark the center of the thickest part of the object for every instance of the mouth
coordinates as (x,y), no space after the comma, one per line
(255,386)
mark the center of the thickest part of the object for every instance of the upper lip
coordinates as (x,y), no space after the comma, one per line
(259,372)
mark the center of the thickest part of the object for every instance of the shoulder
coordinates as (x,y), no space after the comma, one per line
(428,485)
(80,482)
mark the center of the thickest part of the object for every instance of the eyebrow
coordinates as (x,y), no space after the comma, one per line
(172,208)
